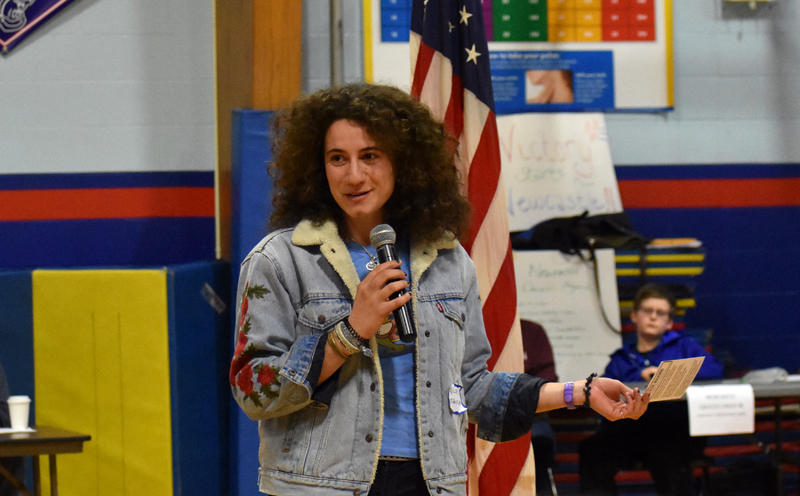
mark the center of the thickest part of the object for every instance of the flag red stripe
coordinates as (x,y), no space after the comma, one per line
(508,459)
(500,308)
(424,58)
(484,177)
(454,117)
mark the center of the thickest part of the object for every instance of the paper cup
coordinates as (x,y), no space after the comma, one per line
(19,411)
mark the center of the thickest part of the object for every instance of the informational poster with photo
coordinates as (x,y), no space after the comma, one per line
(552,81)
(550,55)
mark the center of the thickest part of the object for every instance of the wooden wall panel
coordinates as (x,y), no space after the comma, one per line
(277,53)
(259,66)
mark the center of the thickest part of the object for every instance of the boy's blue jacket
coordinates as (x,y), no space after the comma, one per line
(627,364)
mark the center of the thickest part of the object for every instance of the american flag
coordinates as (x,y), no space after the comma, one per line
(450,73)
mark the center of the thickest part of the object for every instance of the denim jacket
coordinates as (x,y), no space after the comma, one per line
(298,283)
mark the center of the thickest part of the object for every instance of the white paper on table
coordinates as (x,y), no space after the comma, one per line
(673,377)
(9,430)
(721,409)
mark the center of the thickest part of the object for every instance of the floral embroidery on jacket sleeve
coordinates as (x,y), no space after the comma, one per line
(241,374)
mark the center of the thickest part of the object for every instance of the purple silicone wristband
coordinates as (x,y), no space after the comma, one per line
(568,395)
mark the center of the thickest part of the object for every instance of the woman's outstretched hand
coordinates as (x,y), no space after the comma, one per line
(606,398)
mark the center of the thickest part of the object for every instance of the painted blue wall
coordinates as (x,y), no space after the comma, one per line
(749,288)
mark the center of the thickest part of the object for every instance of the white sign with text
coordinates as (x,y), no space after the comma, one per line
(721,409)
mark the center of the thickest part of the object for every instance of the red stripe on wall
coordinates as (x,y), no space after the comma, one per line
(710,193)
(106,203)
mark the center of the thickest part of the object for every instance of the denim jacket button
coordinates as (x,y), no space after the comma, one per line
(369,438)
(428,384)
(372,387)
(439,490)
(321,319)
(430,433)
(427,334)
(356,492)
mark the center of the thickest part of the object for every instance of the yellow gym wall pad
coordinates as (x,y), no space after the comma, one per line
(101,367)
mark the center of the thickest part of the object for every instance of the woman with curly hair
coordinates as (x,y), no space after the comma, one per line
(345,406)
(427,200)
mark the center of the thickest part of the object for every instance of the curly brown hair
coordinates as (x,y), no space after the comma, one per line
(427,200)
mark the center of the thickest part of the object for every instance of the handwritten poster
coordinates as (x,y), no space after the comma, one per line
(558,292)
(556,165)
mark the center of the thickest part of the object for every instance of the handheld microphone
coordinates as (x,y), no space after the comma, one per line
(383,238)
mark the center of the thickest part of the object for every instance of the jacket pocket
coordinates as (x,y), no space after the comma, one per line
(320,313)
(454,310)
(305,437)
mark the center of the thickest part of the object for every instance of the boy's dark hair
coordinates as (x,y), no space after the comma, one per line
(653,290)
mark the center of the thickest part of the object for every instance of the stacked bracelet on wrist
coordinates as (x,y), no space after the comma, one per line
(333,341)
(587,389)
(343,337)
(350,339)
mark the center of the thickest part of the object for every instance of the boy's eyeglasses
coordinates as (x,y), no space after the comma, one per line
(650,311)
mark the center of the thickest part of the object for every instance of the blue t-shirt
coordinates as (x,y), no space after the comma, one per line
(397,363)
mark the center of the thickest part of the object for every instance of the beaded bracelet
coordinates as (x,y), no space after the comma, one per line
(587,389)
(362,342)
(357,336)
(351,339)
(333,342)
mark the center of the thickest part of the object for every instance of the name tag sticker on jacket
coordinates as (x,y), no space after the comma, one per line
(457,405)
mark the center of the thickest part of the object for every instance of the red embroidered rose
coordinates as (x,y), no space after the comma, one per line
(266,375)
(241,344)
(245,380)
(237,364)
(243,310)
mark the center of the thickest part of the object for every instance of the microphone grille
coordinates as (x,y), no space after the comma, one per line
(382,234)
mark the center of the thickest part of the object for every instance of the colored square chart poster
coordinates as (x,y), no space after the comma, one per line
(550,55)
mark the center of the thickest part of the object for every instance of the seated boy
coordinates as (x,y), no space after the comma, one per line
(660,438)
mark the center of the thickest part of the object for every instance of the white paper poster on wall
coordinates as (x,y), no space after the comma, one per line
(556,165)
(558,292)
